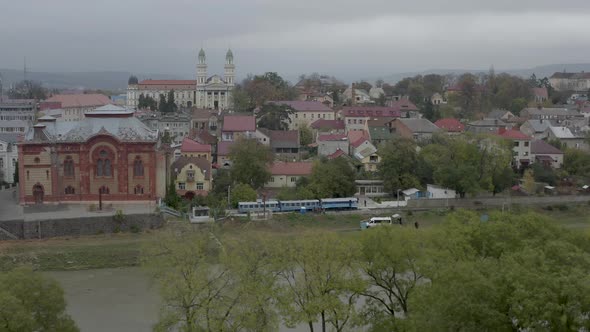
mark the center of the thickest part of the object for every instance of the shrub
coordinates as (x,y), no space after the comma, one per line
(410,213)
(562,207)
(549,208)
(119,216)
(135,229)
(117,229)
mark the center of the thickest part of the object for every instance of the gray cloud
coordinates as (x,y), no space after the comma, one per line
(345,38)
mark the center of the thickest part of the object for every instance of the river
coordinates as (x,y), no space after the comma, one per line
(115,300)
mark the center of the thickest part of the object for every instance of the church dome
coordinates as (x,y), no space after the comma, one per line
(201,53)
(229,54)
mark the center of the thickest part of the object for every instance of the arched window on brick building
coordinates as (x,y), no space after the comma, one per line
(104,190)
(138,167)
(69,167)
(103,164)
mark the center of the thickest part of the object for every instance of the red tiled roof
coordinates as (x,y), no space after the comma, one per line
(332,137)
(204,137)
(295,168)
(373,111)
(239,123)
(357,137)
(513,134)
(167,82)
(450,125)
(223,148)
(80,100)
(328,124)
(337,154)
(304,105)
(188,145)
(402,105)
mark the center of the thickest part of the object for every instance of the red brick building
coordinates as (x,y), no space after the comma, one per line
(111,154)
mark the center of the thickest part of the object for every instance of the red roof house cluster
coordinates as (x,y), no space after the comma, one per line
(450,124)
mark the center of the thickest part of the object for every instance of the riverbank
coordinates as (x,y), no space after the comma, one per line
(124,249)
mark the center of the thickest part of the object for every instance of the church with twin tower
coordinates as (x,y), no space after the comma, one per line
(206,92)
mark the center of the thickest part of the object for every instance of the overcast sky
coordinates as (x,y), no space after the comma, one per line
(363,38)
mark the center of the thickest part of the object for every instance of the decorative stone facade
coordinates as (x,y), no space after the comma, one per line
(104,156)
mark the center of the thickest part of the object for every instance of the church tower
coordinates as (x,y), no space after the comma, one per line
(202,68)
(229,68)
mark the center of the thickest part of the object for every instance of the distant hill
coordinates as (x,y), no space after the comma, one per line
(539,71)
(105,80)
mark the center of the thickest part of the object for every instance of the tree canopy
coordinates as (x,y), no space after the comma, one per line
(250,162)
(332,178)
(274,116)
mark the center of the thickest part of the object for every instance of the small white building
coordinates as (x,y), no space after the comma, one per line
(8,157)
(436,192)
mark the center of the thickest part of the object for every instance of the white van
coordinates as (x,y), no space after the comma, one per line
(378,221)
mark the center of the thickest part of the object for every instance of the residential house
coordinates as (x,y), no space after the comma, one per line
(536,128)
(503,115)
(284,143)
(379,130)
(323,126)
(405,106)
(223,150)
(329,144)
(437,99)
(192,176)
(286,174)
(570,81)
(192,148)
(450,125)
(546,154)
(540,95)
(75,105)
(8,157)
(485,126)
(356,117)
(238,126)
(356,97)
(521,155)
(370,188)
(204,119)
(363,150)
(306,112)
(177,125)
(324,98)
(417,129)
(563,116)
(566,137)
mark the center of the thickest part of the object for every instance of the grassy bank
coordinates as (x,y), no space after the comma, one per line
(124,249)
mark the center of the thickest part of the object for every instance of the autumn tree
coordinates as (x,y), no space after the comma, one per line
(267,87)
(28,89)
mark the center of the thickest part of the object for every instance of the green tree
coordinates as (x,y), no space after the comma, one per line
(318,280)
(208,285)
(242,193)
(332,178)
(577,162)
(399,160)
(163,105)
(274,116)
(305,136)
(241,101)
(172,199)
(390,263)
(267,87)
(170,105)
(30,301)
(250,161)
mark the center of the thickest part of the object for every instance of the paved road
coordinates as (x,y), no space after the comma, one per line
(9,208)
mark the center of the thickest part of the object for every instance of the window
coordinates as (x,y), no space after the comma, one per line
(70,190)
(138,167)
(272,179)
(516,144)
(526,143)
(1,163)
(47,174)
(138,190)
(103,164)
(200,186)
(181,185)
(69,167)
(104,190)
(37,160)
(293,179)
(28,175)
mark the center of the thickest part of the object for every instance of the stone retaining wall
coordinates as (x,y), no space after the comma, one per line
(40,229)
